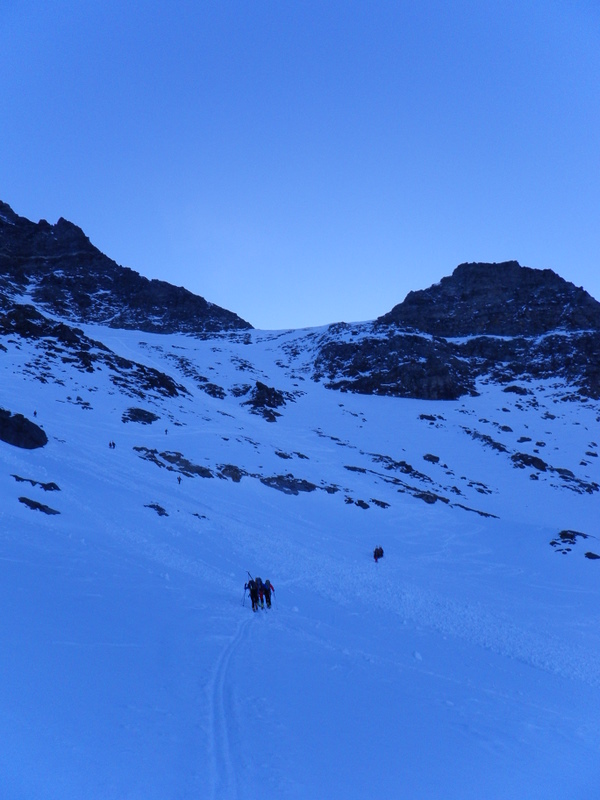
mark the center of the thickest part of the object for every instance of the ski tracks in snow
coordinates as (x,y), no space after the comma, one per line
(223,778)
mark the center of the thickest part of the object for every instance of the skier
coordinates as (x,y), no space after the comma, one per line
(261,591)
(253,589)
(268,587)
(378,553)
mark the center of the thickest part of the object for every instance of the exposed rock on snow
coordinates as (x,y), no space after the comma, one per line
(288,484)
(59,344)
(566,540)
(158,508)
(265,399)
(34,505)
(140,415)
(174,462)
(47,487)
(19,431)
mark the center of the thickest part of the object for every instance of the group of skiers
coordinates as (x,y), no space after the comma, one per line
(260,593)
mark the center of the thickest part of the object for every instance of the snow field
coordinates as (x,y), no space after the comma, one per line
(463,665)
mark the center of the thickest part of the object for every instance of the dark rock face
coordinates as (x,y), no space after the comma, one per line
(232,472)
(497,299)
(35,505)
(523,460)
(50,486)
(402,365)
(67,276)
(264,399)
(158,508)
(566,540)
(141,415)
(19,431)
(500,322)
(573,356)
(288,484)
(173,462)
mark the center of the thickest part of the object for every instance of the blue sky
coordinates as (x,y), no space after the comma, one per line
(301,163)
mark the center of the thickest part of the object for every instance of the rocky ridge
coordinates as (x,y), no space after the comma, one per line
(503,299)
(502,323)
(63,274)
(495,322)
(468,335)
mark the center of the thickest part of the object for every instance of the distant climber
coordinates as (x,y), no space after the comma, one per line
(268,588)
(378,553)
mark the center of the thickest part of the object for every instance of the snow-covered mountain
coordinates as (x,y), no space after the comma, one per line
(155,449)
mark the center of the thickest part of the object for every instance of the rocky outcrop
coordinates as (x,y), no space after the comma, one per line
(35,505)
(141,415)
(265,399)
(503,299)
(401,365)
(65,275)
(19,431)
(499,322)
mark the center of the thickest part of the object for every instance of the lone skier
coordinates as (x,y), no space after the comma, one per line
(378,553)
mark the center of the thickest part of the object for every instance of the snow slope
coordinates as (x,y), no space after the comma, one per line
(465,664)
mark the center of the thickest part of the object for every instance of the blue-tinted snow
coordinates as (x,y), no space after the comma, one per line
(464,665)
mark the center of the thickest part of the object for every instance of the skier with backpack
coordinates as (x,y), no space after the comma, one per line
(261,591)
(252,588)
(268,588)
(378,553)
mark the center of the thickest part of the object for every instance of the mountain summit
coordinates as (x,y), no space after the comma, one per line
(499,322)
(502,299)
(59,269)
(486,322)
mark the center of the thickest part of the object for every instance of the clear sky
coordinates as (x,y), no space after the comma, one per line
(306,162)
